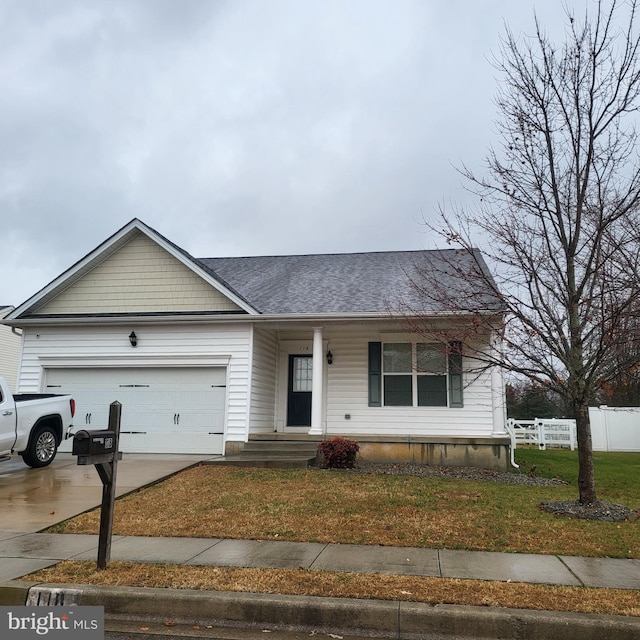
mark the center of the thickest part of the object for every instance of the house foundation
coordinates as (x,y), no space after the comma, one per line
(485,453)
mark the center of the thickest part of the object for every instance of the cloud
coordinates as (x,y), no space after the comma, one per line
(239,127)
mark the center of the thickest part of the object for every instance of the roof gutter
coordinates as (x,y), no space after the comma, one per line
(226,319)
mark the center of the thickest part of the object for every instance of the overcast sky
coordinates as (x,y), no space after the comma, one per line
(240,127)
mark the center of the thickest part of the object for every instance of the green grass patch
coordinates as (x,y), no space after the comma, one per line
(617,474)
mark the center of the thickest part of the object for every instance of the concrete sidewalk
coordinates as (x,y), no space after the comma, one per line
(21,553)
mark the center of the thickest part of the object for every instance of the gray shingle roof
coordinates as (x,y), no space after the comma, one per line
(339,283)
(347,283)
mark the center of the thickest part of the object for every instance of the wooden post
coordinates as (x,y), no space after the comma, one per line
(107,473)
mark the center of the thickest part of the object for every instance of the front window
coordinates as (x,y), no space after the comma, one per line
(414,374)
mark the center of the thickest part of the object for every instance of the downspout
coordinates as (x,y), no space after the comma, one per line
(512,435)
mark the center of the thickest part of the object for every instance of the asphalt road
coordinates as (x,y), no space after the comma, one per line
(137,629)
(132,629)
(240,634)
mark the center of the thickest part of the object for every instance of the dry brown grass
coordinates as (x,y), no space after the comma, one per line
(330,507)
(351,585)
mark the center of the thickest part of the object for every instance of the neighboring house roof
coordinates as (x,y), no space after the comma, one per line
(341,283)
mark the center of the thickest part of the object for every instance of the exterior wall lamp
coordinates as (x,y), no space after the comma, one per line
(133,338)
(329,357)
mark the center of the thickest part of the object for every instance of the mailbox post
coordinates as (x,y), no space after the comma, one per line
(99,447)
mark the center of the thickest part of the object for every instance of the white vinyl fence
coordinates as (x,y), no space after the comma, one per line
(615,428)
(543,432)
(612,429)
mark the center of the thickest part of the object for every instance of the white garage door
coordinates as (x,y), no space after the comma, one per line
(168,410)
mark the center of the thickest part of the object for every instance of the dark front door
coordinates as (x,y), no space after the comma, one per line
(299,396)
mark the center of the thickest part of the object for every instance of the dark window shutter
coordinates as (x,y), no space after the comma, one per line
(375,374)
(455,374)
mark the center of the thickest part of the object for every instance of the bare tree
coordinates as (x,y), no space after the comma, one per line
(557,214)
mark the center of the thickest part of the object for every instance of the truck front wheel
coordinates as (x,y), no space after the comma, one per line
(42,448)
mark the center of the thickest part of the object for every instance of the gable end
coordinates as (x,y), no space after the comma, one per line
(140,277)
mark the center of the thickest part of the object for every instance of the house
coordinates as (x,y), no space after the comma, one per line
(206,354)
(9,350)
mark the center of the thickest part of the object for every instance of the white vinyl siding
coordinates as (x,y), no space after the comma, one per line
(9,353)
(263,382)
(255,362)
(347,394)
(346,390)
(140,277)
(158,346)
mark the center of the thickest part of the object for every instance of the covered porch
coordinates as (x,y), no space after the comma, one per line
(315,381)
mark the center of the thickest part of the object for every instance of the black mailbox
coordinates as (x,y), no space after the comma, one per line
(98,442)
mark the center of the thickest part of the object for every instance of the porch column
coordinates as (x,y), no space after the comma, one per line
(498,400)
(316,389)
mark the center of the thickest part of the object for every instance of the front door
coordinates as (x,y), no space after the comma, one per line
(299,395)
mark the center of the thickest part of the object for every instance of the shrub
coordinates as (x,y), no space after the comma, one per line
(338,452)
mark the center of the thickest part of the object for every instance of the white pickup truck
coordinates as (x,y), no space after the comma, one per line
(33,424)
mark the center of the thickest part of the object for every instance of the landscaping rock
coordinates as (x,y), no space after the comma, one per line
(463,473)
(600,510)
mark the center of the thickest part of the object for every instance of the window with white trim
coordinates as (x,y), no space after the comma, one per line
(422,374)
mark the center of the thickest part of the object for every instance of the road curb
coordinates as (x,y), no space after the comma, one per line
(15,592)
(343,616)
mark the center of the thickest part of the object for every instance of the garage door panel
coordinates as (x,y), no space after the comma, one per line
(92,412)
(166,410)
(160,442)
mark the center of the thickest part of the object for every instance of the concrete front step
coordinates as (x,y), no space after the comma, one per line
(277,454)
(280,447)
(269,462)
(285,438)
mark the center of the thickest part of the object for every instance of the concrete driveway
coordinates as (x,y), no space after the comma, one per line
(34,499)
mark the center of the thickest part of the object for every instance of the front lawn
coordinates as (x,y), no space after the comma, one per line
(373,509)
(341,507)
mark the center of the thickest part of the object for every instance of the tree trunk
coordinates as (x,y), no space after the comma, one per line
(586,476)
